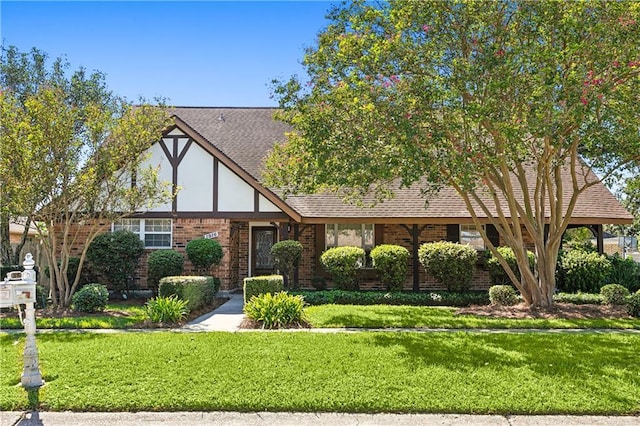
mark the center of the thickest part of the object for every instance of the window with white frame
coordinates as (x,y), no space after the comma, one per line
(470,234)
(155,233)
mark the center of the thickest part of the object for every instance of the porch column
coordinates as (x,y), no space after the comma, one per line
(599,231)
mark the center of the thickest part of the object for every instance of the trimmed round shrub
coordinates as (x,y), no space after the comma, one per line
(452,264)
(582,271)
(502,295)
(633,304)
(90,298)
(114,256)
(614,294)
(276,310)
(204,253)
(391,263)
(166,310)
(286,255)
(497,272)
(163,263)
(343,264)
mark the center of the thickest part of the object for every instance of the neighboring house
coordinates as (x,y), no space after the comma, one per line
(215,156)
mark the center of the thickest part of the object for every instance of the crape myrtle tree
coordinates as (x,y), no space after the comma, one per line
(72,159)
(497,100)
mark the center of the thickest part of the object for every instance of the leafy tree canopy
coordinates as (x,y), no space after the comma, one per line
(492,98)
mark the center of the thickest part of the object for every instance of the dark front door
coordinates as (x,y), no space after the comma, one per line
(262,239)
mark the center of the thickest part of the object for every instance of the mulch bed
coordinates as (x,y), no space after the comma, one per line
(559,310)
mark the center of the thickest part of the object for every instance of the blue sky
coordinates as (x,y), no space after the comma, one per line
(203,53)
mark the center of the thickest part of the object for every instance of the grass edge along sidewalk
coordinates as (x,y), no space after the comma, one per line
(503,373)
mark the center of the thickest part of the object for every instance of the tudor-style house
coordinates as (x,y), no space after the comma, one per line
(215,156)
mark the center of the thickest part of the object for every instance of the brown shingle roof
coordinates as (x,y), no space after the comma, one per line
(246,135)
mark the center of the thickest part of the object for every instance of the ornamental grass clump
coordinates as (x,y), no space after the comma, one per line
(166,310)
(276,310)
(452,264)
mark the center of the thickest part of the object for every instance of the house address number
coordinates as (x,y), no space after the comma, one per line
(211,235)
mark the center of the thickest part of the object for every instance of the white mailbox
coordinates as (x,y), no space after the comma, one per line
(18,288)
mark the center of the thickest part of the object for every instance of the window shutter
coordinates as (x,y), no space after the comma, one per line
(453,233)
(492,234)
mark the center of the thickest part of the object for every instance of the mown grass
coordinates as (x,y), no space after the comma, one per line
(354,372)
(386,316)
(133,314)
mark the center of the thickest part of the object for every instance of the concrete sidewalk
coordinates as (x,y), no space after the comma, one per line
(283,419)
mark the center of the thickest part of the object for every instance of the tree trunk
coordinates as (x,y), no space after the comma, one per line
(5,241)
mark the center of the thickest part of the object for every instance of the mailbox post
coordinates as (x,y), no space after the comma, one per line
(20,288)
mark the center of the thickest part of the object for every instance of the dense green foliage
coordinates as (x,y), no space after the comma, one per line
(625,272)
(255,286)
(91,298)
(285,256)
(114,256)
(195,290)
(391,263)
(343,264)
(502,295)
(166,310)
(450,263)
(614,294)
(497,272)
(529,373)
(433,298)
(579,298)
(583,271)
(163,263)
(204,253)
(276,310)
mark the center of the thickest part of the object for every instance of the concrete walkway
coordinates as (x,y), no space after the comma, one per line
(226,317)
(283,419)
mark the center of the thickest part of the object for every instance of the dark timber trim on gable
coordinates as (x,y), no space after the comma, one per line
(233,166)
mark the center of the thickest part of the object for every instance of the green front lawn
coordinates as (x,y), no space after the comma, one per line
(120,316)
(386,316)
(364,372)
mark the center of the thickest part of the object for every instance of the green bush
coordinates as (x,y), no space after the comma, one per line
(497,272)
(90,298)
(42,296)
(163,263)
(86,275)
(255,286)
(502,295)
(204,253)
(276,310)
(582,271)
(625,272)
(343,264)
(633,304)
(166,310)
(196,290)
(614,294)
(114,256)
(434,298)
(578,298)
(286,255)
(391,263)
(319,283)
(450,263)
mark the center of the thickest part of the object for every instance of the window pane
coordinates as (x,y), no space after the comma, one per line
(469,234)
(157,225)
(132,225)
(157,240)
(349,235)
(330,237)
(369,239)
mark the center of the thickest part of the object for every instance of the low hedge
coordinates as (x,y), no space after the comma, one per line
(199,291)
(255,286)
(434,298)
(578,298)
